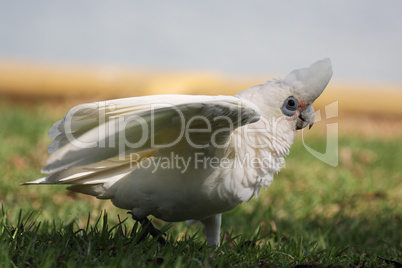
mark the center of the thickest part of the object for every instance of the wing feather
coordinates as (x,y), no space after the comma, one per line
(88,133)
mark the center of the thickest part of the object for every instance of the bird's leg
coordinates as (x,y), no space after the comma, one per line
(148,228)
(212,229)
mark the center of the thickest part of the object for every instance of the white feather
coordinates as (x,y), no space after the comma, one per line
(181,181)
(88,122)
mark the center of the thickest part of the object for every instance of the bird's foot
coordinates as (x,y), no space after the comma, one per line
(148,228)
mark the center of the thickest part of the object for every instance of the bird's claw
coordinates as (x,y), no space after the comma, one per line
(148,228)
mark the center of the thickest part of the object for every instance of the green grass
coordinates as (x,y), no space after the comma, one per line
(312,214)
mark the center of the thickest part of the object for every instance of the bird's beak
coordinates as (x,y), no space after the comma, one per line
(306,118)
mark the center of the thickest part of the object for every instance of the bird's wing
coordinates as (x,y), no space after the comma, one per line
(96,132)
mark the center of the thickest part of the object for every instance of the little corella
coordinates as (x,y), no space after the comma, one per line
(183,157)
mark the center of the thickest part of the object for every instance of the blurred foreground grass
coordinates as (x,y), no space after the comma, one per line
(312,214)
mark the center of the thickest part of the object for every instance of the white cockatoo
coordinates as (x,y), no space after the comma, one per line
(183,157)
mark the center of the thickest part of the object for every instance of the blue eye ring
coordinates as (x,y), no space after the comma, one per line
(290,106)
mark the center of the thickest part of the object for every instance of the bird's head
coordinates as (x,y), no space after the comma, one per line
(305,86)
(290,100)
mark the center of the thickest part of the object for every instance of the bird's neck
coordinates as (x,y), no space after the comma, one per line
(257,153)
(253,154)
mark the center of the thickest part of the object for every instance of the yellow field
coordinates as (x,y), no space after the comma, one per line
(372,110)
(46,80)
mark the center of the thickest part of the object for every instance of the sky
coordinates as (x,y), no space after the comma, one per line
(363,38)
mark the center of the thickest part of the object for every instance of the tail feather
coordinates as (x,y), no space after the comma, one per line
(97,190)
(38,181)
(95,179)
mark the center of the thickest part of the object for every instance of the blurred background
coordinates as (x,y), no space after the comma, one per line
(56,54)
(102,49)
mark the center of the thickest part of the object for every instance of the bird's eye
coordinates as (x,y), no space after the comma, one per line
(290,106)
